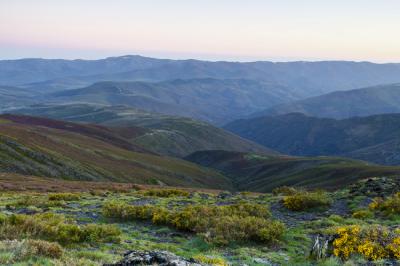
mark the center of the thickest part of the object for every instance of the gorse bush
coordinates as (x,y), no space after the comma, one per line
(372,242)
(363,214)
(64,196)
(166,193)
(285,190)
(307,200)
(57,228)
(210,260)
(388,207)
(216,224)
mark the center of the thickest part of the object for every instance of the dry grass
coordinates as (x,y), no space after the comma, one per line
(17,182)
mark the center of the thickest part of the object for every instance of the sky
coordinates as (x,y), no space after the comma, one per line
(234,30)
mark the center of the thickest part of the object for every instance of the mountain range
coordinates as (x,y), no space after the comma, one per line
(310,78)
(160,121)
(212,100)
(215,92)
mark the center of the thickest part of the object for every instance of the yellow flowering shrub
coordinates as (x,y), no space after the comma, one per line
(373,242)
(211,260)
(394,247)
(389,206)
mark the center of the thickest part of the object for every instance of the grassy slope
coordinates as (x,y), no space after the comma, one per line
(168,135)
(256,173)
(44,150)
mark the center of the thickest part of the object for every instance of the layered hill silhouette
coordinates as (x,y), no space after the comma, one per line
(344,104)
(163,134)
(212,100)
(372,138)
(308,78)
(216,92)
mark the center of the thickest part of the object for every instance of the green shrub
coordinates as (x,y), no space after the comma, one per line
(285,190)
(25,249)
(217,224)
(64,196)
(363,214)
(94,233)
(41,248)
(307,200)
(123,211)
(166,193)
(57,228)
(226,229)
(389,206)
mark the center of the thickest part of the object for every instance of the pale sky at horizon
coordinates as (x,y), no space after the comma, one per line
(237,30)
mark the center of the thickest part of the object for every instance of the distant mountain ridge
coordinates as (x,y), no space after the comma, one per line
(216,92)
(373,138)
(309,78)
(344,104)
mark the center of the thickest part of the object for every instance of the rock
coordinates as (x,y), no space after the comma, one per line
(143,202)
(162,258)
(73,205)
(262,261)
(28,211)
(224,195)
(204,196)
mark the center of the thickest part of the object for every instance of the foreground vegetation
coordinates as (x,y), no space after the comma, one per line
(97,225)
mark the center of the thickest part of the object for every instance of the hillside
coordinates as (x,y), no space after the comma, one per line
(12,97)
(168,135)
(372,138)
(344,104)
(48,148)
(212,100)
(308,78)
(252,172)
